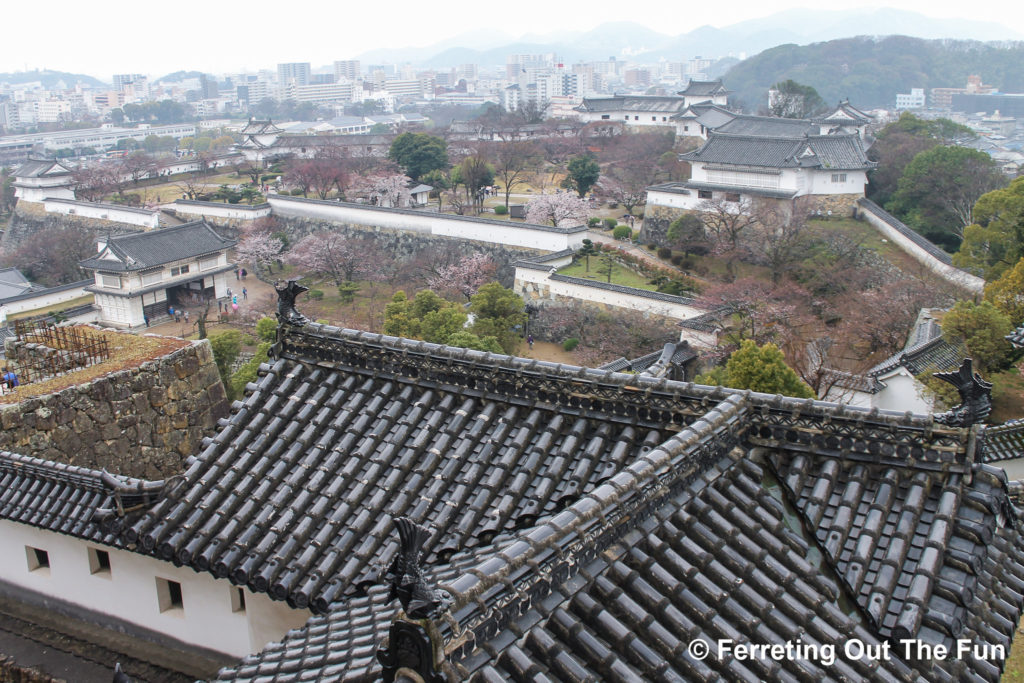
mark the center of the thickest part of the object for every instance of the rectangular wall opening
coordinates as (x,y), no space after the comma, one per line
(237,599)
(169,596)
(38,560)
(99,562)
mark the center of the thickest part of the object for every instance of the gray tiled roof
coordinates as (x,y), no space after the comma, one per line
(1003,442)
(747,150)
(1016,337)
(768,126)
(37,168)
(64,498)
(637,103)
(157,247)
(711,116)
(840,152)
(701,88)
(852,115)
(933,354)
(586,523)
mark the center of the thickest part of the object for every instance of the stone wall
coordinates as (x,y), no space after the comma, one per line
(29,218)
(141,422)
(657,219)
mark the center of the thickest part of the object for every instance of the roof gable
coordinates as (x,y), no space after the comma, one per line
(153,248)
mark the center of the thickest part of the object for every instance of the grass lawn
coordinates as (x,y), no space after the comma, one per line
(620,274)
(80,301)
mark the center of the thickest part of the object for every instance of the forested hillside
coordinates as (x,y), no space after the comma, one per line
(870,71)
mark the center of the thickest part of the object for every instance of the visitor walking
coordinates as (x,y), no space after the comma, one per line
(245,294)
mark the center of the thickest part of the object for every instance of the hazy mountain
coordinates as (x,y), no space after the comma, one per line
(179,76)
(50,79)
(870,71)
(633,41)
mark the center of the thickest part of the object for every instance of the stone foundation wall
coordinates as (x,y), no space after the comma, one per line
(140,422)
(657,219)
(841,205)
(29,218)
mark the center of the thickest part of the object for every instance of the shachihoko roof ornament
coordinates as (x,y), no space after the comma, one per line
(286,311)
(975,397)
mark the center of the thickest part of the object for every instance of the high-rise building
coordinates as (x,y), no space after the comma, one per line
(122,81)
(348,69)
(297,73)
(518,64)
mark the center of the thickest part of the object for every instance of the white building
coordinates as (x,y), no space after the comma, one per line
(913,100)
(38,179)
(139,276)
(751,158)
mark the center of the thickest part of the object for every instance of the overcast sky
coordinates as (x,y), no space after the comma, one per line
(155,38)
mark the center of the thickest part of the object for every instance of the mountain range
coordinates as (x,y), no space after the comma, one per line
(640,44)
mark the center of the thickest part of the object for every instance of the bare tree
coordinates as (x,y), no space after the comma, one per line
(513,161)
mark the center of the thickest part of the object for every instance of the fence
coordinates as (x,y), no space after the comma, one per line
(56,351)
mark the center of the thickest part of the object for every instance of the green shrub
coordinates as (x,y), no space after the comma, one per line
(677,260)
(664,252)
(225,346)
(248,372)
(570,343)
(609,223)
(500,210)
(622,232)
(315,294)
(296,192)
(593,221)
(266,329)
(652,246)
(347,291)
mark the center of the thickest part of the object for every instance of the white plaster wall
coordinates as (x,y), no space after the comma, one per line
(604,296)
(44,299)
(902,392)
(233,211)
(105,212)
(673,199)
(850,397)
(821,183)
(129,592)
(514,235)
(971,283)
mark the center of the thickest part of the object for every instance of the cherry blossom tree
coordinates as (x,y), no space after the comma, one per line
(93,182)
(387,190)
(258,248)
(330,254)
(465,276)
(561,210)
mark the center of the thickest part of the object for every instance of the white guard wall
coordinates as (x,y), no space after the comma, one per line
(129,592)
(971,283)
(480,230)
(196,210)
(44,298)
(109,212)
(560,287)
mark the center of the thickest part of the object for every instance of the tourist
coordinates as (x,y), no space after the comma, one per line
(245,294)
(529,340)
(10,379)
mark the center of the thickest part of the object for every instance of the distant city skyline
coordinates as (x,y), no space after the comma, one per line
(128,37)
